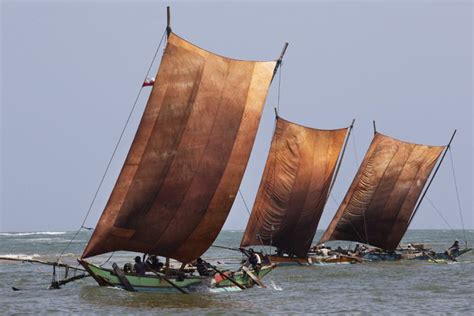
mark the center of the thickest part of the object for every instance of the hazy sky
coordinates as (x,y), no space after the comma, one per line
(71,71)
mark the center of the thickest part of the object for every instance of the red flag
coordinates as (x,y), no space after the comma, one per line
(148,82)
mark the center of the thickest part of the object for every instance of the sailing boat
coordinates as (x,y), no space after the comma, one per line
(299,173)
(183,170)
(385,195)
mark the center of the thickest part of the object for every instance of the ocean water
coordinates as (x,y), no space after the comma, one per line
(371,288)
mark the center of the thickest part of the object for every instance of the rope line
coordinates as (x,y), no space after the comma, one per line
(245,203)
(442,217)
(457,193)
(115,149)
(110,257)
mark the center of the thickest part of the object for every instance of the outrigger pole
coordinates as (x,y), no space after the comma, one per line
(434,174)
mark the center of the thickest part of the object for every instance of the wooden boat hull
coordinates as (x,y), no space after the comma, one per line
(153,283)
(313,260)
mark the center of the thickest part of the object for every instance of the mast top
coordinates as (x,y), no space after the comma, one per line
(168,21)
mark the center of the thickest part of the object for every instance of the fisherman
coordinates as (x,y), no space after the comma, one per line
(127,267)
(255,260)
(453,251)
(139,266)
(323,250)
(154,263)
(202,267)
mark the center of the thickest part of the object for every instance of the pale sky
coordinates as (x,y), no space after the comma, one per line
(71,71)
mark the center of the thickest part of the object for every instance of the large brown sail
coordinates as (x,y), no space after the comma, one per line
(188,157)
(294,187)
(377,207)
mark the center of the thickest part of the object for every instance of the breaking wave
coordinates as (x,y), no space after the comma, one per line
(20,256)
(32,233)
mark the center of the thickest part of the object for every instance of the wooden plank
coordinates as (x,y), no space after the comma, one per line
(162,277)
(123,279)
(225,276)
(253,276)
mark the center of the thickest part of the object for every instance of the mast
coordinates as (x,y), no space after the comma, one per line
(168,21)
(280,59)
(341,156)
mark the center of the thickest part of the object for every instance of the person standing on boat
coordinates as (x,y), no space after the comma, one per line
(139,266)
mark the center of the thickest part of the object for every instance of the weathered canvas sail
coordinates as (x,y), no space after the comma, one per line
(188,157)
(377,207)
(294,187)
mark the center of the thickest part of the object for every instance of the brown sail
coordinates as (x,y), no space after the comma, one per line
(188,156)
(294,187)
(377,207)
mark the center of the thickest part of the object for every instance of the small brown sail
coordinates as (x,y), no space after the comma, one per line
(294,187)
(377,207)
(188,156)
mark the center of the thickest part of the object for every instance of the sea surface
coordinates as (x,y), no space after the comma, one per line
(414,287)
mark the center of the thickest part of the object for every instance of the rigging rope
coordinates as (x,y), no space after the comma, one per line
(245,203)
(457,194)
(442,217)
(110,257)
(115,149)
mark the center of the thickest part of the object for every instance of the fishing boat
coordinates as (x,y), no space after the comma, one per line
(183,171)
(384,197)
(299,173)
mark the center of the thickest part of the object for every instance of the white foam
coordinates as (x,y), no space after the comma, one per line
(20,256)
(32,233)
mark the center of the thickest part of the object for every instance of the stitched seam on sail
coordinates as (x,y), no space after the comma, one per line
(230,153)
(297,220)
(411,186)
(375,191)
(256,214)
(198,165)
(146,207)
(328,234)
(388,234)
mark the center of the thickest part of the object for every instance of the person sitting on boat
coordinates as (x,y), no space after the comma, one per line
(139,266)
(255,260)
(202,267)
(323,250)
(154,263)
(127,268)
(453,251)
